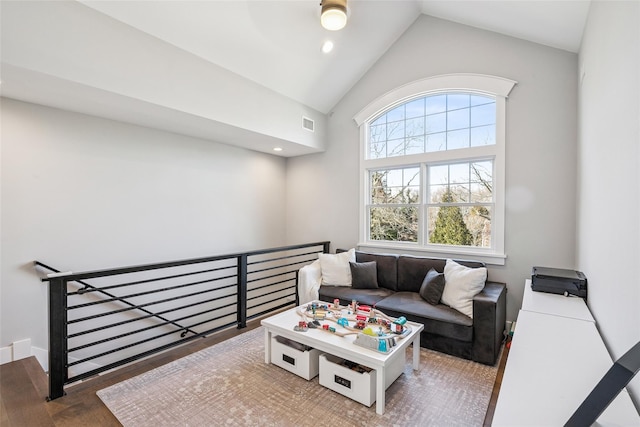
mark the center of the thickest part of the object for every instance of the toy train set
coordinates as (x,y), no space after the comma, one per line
(374,329)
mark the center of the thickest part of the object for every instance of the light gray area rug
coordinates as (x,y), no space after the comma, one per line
(229,384)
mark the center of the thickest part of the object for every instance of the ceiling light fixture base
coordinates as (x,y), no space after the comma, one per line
(333,15)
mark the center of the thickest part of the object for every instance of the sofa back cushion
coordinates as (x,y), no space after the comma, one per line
(413,269)
(387,266)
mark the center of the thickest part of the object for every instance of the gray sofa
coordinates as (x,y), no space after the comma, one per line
(445,329)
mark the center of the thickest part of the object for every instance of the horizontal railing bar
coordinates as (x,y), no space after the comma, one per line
(257,279)
(139,294)
(124,322)
(270,293)
(122,310)
(262,313)
(156,279)
(265,302)
(257,288)
(282,257)
(156,266)
(147,353)
(278,266)
(148,328)
(115,350)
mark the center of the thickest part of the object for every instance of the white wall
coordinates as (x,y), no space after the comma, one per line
(82,193)
(541,145)
(609,182)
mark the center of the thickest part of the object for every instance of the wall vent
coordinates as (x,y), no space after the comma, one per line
(307,123)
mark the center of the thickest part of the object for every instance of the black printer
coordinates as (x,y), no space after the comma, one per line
(559,281)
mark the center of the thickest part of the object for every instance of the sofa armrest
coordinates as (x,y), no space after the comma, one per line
(309,280)
(489,316)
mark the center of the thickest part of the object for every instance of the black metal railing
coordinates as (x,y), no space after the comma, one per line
(129,313)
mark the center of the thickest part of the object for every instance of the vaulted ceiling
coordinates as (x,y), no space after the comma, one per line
(275,45)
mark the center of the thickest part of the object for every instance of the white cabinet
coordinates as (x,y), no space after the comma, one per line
(556,358)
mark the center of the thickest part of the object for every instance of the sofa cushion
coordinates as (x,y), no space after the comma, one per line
(347,294)
(364,275)
(432,287)
(387,267)
(437,319)
(412,269)
(461,285)
(335,268)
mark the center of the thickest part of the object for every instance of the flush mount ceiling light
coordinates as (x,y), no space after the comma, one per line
(334,14)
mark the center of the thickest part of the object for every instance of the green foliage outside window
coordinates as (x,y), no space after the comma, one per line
(450,226)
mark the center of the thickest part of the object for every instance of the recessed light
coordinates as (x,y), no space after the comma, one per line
(327,46)
(277,149)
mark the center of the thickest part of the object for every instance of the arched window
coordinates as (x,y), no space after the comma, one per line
(432,167)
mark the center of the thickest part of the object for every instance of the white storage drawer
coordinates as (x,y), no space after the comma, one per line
(294,357)
(359,386)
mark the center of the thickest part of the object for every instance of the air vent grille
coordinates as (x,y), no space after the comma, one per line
(308,124)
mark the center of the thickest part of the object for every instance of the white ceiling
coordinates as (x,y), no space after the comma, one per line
(278,43)
(274,43)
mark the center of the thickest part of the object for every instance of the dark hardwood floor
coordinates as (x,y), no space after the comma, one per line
(24,386)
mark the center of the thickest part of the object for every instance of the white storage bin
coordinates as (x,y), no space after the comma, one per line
(294,357)
(359,386)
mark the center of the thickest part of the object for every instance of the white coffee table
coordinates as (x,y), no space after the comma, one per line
(283,323)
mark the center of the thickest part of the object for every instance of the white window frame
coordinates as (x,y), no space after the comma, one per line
(496,87)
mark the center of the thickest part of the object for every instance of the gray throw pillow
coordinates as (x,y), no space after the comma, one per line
(432,287)
(364,275)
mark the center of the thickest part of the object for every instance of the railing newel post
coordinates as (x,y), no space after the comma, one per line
(242,291)
(57,337)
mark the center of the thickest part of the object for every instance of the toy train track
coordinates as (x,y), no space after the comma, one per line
(374,329)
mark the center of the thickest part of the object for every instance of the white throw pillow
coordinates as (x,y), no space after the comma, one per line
(335,268)
(461,285)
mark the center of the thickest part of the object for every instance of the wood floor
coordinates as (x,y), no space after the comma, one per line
(24,386)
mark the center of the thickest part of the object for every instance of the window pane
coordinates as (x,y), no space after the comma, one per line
(436,123)
(380,120)
(457,101)
(377,151)
(437,193)
(483,115)
(459,173)
(415,145)
(483,135)
(398,224)
(458,119)
(436,104)
(414,127)
(395,147)
(439,174)
(396,114)
(457,139)
(436,142)
(395,186)
(461,182)
(395,130)
(460,226)
(459,193)
(481,171)
(415,108)
(480,99)
(377,133)
(480,193)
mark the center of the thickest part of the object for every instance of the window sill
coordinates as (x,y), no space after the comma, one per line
(490,258)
